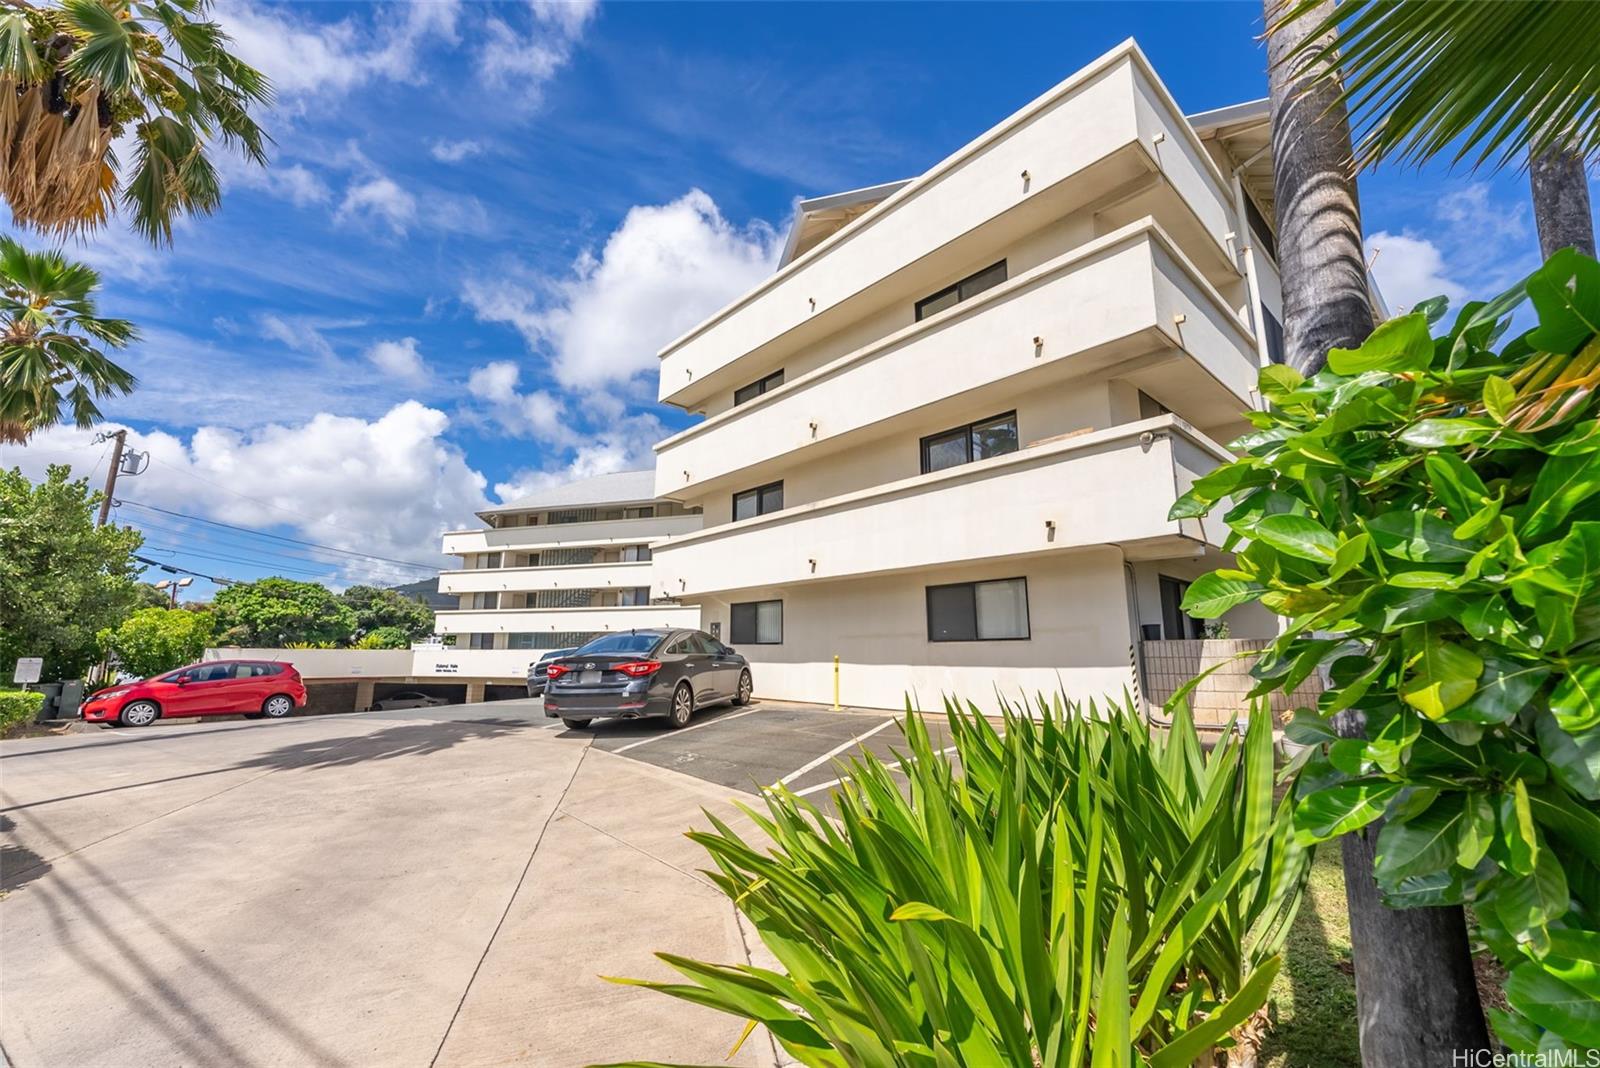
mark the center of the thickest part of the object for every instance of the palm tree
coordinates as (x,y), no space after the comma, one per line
(1415,992)
(48,336)
(1484,83)
(76,76)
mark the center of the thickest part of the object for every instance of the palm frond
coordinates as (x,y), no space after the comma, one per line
(1478,82)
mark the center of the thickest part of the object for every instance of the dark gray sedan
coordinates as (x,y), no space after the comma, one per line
(643,673)
(536,671)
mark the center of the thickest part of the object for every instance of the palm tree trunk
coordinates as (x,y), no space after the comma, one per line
(1320,257)
(1561,202)
(1416,997)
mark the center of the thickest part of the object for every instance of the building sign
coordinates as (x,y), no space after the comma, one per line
(447,669)
(29,668)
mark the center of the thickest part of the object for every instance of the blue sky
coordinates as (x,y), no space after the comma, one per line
(482,220)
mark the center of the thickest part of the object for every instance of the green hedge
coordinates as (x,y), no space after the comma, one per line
(18,706)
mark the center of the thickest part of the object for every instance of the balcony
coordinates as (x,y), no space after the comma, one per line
(1109,134)
(525,579)
(561,535)
(1123,304)
(548,620)
(1110,487)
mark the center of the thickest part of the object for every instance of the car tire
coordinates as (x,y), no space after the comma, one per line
(139,714)
(277,706)
(575,724)
(682,707)
(742,695)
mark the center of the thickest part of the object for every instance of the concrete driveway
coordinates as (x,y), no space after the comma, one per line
(435,887)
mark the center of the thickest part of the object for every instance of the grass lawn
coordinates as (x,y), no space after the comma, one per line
(1315,993)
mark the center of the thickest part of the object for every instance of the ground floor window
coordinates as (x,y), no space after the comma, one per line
(756,623)
(978,611)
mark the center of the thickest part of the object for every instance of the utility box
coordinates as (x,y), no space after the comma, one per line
(71,699)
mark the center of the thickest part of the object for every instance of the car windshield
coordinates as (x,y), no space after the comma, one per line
(620,643)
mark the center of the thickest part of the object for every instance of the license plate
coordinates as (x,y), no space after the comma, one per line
(588,678)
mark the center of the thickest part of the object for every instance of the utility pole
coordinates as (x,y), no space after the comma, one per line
(121,437)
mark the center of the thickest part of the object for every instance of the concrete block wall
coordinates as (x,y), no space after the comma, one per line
(1168,665)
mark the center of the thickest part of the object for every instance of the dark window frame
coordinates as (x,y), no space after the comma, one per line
(1027,609)
(755,621)
(1172,590)
(966,429)
(761,385)
(759,493)
(1272,334)
(957,289)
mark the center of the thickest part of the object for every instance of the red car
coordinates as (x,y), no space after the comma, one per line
(256,688)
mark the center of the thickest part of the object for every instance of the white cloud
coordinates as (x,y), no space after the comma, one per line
(378,198)
(1410,269)
(297,333)
(455,151)
(308,57)
(385,487)
(663,270)
(402,359)
(524,57)
(627,450)
(537,414)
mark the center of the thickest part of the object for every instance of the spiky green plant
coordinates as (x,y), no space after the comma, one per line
(1072,889)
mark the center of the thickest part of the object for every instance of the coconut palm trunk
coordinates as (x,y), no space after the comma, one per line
(1561,202)
(1416,997)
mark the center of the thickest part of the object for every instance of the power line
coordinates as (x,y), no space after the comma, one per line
(236,493)
(248,562)
(175,569)
(282,538)
(205,537)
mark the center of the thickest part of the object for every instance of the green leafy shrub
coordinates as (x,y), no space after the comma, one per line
(153,640)
(1072,891)
(18,706)
(385,638)
(1426,514)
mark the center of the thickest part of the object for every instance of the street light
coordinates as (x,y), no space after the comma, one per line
(172,586)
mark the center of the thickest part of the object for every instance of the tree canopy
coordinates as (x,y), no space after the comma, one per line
(378,609)
(153,640)
(62,579)
(278,611)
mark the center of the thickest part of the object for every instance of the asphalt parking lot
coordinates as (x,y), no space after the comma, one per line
(431,887)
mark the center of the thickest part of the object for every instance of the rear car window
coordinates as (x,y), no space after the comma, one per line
(620,643)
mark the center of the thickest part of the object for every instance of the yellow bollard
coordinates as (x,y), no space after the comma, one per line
(836,707)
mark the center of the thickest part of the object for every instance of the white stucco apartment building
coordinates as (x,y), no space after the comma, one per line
(557,568)
(940,442)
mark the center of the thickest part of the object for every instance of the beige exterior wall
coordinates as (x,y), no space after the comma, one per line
(1122,338)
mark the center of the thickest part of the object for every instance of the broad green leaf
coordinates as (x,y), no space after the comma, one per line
(1419,537)
(1442,678)
(1554,1005)
(1504,689)
(1398,345)
(1299,536)
(1349,555)
(1517,831)
(1573,757)
(1448,433)
(1455,484)
(1477,830)
(1425,843)
(1211,595)
(1336,810)
(1563,484)
(1576,698)
(1278,380)
(1528,904)
(1498,397)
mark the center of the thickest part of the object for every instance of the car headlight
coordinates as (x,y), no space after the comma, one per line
(108,693)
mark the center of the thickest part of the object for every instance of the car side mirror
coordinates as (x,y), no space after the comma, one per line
(182,680)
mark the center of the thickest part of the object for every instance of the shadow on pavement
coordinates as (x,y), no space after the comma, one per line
(19,865)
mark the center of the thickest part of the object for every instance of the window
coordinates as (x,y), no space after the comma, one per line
(634,595)
(978,611)
(1274,335)
(574,515)
(757,623)
(968,287)
(635,554)
(758,387)
(480,641)
(975,441)
(1149,407)
(647,511)
(1258,225)
(521,641)
(1175,623)
(482,600)
(758,501)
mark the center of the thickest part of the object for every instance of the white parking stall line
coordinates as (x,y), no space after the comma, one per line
(830,754)
(686,730)
(893,765)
